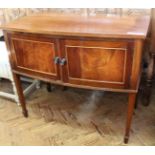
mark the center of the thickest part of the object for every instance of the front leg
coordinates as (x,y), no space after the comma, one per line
(131,105)
(18,85)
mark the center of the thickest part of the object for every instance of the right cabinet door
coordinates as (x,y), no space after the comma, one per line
(97,63)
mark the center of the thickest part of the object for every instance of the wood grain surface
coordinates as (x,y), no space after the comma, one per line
(86,25)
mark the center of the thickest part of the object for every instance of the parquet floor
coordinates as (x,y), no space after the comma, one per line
(74,117)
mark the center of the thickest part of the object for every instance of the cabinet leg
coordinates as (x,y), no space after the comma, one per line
(148,86)
(64,88)
(49,87)
(20,94)
(136,102)
(147,93)
(131,105)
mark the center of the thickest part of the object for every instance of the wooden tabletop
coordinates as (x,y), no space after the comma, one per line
(77,25)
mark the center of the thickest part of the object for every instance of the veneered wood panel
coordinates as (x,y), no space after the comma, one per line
(97,62)
(94,63)
(34,55)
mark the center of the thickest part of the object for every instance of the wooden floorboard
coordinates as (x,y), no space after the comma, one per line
(75,117)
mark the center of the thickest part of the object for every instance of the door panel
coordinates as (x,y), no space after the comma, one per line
(35,55)
(97,63)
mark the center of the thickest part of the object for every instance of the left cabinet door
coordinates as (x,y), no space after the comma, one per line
(34,55)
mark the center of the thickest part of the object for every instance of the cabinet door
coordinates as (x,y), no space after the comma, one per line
(34,55)
(97,63)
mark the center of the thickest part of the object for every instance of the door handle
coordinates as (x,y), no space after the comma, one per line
(56,60)
(63,62)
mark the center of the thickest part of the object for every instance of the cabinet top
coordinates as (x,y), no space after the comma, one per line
(83,26)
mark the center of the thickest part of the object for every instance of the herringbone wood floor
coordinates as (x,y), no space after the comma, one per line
(66,118)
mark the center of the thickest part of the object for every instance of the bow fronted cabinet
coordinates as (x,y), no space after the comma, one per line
(92,52)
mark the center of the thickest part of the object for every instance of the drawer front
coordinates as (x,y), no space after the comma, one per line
(97,63)
(35,55)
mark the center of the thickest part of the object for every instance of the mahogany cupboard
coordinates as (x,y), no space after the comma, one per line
(93,52)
